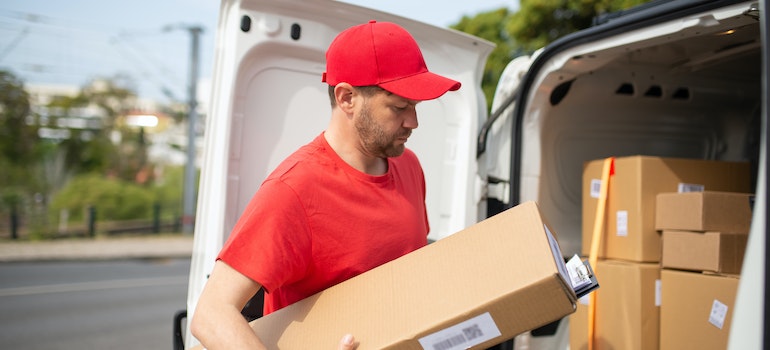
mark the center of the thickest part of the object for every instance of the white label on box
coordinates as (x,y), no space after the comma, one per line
(718,314)
(463,335)
(684,188)
(578,273)
(585,300)
(657,292)
(596,188)
(622,222)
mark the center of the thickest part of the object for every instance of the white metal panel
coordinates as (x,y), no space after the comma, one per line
(268,100)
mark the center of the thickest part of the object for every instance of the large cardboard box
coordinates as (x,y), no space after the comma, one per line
(696,310)
(629,228)
(471,290)
(704,251)
(727,212)
(627,308)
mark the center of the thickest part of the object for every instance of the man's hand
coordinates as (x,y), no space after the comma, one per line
(348,343)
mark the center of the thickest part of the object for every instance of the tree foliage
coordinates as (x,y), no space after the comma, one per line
(536,24)
(491,26)
(540,22)
(17,137)
(19,151)
(88,165)
(91,149)
(115,199)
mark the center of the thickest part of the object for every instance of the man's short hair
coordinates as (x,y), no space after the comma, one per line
(367,91)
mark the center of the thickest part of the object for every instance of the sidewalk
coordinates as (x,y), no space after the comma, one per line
(100,248)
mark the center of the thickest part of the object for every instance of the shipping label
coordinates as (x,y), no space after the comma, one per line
(596,188)
(463,335)
(622,223)
(718,314)
(685,187)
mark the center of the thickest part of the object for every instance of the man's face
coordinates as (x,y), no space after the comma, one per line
(384,123)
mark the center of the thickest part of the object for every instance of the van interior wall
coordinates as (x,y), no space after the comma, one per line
(622,110)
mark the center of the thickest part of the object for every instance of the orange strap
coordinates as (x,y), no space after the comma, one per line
(601,209)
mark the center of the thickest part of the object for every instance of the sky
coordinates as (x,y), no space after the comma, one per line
(75,41)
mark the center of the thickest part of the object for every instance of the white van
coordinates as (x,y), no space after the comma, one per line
(675,79)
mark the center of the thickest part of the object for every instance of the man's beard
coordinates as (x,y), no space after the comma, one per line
(375,140)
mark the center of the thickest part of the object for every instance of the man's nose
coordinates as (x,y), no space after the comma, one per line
(410,121)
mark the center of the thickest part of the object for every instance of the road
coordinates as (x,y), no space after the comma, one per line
(126,304)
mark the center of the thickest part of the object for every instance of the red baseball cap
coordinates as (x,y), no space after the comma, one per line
(386,55)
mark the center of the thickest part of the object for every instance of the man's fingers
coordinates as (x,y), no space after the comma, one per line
(348,343)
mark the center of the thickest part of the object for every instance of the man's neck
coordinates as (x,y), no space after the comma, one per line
(353,156)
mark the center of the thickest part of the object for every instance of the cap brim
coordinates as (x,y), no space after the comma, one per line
(420,87)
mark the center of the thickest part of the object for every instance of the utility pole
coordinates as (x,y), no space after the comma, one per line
(188,207)
(189,190)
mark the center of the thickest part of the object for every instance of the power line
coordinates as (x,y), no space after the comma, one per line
(71,47)
(136,56)
(13,44)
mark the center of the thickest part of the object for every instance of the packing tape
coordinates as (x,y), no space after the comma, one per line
(608,169)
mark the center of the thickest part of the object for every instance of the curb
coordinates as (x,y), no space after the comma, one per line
(144,247)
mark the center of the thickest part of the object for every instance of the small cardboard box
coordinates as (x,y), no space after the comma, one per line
(627,308)
(474,289)
(704,251)
(629,227)
(696,310)
(727,212)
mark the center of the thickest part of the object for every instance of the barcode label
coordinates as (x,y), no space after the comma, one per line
(596,188)
(684,188)
(450,343)
(462,335)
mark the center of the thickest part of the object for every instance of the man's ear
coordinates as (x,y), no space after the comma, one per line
(344,93)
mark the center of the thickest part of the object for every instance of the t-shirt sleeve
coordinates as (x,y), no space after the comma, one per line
(271,241)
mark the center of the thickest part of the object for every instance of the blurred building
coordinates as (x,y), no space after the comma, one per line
(165,136)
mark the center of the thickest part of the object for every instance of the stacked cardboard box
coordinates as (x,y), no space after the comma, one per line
(627,312)
(628,304)
(696,309)
(629,229)
(704,238)
(704,231)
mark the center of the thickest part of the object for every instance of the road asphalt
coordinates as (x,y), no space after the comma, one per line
(98,248)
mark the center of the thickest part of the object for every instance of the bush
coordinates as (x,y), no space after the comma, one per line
(167,192)
(113,199)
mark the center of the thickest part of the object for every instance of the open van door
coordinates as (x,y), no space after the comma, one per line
(268,100)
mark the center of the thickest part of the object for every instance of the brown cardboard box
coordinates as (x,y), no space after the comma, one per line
(473,289)
(704,251)
(727,212)
(696,310)
(629,230)
(627,312)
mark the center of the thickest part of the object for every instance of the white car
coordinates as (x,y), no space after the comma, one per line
(671,79)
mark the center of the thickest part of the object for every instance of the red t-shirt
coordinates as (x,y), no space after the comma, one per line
(316,221)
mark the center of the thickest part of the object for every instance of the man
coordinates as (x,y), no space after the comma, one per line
(350,200)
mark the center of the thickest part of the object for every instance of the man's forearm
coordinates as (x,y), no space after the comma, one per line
(223,328)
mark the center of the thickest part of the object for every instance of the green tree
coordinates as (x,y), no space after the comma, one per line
(18,138)
(540,22)
(491,26)
(536,24)
(19,151)
(92,149)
